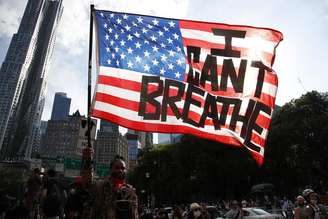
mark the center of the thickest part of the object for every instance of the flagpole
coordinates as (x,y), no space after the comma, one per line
(89,75)
(87,154)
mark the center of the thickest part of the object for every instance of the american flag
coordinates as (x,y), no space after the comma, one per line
(131,46)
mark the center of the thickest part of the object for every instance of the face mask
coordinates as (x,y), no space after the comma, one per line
(197,213)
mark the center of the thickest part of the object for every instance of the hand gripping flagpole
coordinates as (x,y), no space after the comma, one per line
(87,154)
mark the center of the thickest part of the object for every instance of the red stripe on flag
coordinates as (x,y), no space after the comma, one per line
(118,82)
(263,121)
(257,139)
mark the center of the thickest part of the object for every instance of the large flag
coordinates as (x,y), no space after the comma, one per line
(211,80)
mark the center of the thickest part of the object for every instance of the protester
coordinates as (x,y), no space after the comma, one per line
(287,208)
(33,193)
(196,212)
(177,213)
(313,209)
(116,198)
(299,212)
(235,211)
(267,203)
(244,204)
(53,197)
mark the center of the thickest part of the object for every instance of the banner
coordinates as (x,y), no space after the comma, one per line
(211,80)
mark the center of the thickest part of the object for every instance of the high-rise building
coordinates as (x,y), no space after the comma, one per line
(137,141)
(22,78)
(66,138)
(110,143)
(133,148)
(60,108)
(145,138)
(168,138)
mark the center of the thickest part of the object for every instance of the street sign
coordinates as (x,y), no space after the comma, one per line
(72,163)
(73,166)
(102,170)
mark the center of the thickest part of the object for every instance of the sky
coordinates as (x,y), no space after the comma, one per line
(301,58)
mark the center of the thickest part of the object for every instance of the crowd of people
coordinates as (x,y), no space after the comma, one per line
(112,198)
(305,207)
(46,198)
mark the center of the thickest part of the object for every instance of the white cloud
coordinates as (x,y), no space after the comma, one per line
(11,13)
(73,31)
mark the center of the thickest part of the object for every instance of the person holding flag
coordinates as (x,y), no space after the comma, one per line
(115,198)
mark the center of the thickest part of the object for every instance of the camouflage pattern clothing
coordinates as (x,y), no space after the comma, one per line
(116,202)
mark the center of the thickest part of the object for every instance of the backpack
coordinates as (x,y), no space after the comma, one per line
(54,201)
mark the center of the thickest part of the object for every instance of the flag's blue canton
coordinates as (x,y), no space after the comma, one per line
(141,43)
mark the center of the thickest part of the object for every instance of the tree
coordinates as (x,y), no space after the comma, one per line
(298,142)
(194,170)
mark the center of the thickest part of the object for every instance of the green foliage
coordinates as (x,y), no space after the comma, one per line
(195,169)
(297,146)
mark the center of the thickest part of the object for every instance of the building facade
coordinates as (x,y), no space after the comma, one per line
(66,138)
(36,147)
(22,78)
(61,106)
(110,142)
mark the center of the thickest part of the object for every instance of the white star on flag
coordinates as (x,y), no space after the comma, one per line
(130,64)
(163,57)
(139,20)
(155,21)
(155,62)
(146,67)
(177,75)
(138,45)
(153,38)
(138,59)
(130,50)
(146,53)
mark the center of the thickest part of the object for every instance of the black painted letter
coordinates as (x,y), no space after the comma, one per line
(146,97)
